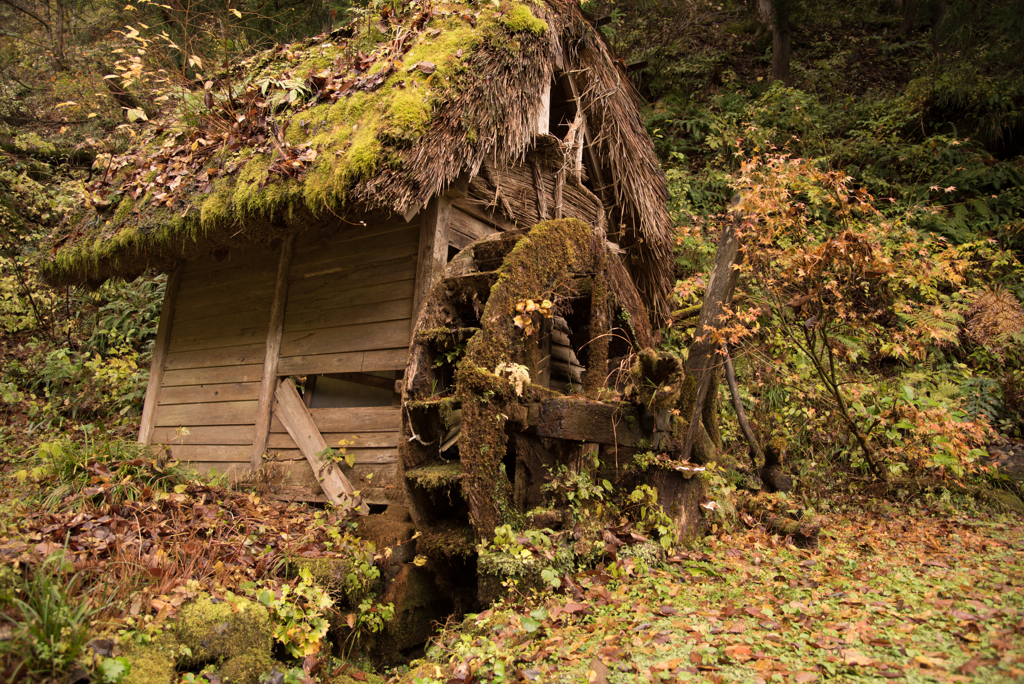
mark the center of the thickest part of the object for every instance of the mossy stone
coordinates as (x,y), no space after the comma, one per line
(247,667)
(153,663)
(223,630)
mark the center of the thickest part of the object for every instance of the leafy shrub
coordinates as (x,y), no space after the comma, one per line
(51,629)
(104,469)
(837,287)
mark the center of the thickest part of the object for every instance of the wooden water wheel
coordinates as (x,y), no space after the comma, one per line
(514,354)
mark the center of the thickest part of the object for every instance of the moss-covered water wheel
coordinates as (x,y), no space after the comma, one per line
(479,437)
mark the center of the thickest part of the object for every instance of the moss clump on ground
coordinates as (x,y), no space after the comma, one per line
(496,568)
(153,663)
(222,631)
(248,667)
(333,574)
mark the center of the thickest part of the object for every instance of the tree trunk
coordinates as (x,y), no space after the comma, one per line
(59,37)
(780,53)
(909,18)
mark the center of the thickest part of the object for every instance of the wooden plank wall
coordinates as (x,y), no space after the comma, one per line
(373,435)
(350,301)
(215,359)
(349,309)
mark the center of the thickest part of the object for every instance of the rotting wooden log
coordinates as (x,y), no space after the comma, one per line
(273,353)
(160,347)
(702,362)
(433,248)
(803,530)
(299,423)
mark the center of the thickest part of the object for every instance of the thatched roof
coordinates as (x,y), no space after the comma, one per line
(378,117)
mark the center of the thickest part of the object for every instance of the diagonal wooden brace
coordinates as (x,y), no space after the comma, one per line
(295,417)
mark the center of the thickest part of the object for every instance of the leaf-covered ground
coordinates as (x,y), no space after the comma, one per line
(885,596)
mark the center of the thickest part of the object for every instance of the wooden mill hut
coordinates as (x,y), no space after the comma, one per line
(324,201)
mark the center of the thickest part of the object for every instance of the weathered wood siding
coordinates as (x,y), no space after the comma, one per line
(349,309)
(215,359)
(350,301)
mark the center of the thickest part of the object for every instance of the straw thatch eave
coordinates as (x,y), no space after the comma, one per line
(457,83)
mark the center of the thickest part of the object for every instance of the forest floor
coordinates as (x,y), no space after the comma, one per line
(889,594)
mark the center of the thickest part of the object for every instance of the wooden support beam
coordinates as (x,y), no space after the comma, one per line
(300,426)
(272,353)
(433,254)
(574,419)
(160,346)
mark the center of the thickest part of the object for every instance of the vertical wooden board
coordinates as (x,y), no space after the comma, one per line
(272,353)
(158,364)
(433,248)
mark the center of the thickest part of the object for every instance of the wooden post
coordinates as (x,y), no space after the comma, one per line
(542,125)
(702,362)
(304,432)
(559,181)
(268,384)
(160,346)
(433,254)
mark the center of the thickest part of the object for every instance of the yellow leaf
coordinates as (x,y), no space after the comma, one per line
(419,561)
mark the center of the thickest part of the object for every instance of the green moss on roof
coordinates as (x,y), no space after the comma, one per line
(379,125)
(331,146)
(519,18)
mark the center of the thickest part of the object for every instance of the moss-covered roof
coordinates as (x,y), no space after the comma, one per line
(379,116)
